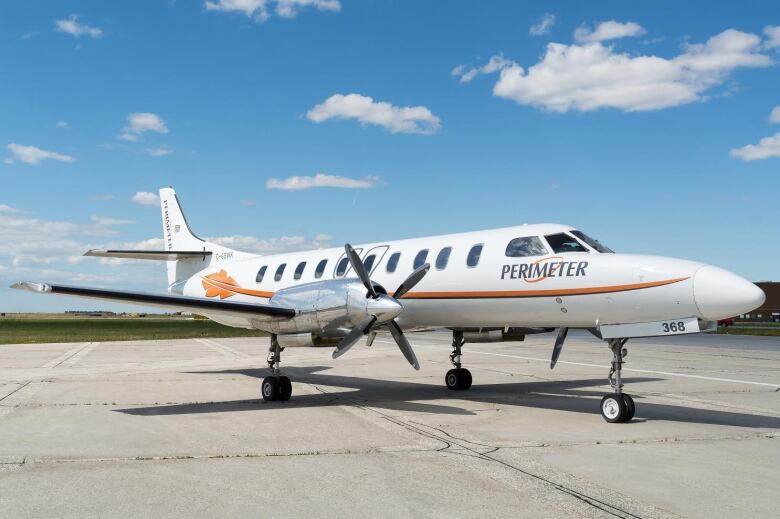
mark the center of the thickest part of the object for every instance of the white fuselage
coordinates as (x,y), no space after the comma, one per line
(544,288)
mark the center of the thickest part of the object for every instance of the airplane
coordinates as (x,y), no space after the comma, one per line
(485,286)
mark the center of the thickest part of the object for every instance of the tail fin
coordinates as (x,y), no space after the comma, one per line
(178,236)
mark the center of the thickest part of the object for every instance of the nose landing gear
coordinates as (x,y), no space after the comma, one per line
(618,407)
(457,378)
(277,386)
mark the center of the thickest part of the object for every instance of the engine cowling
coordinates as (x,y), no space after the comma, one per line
(304,340)
(511,334)
(329,308)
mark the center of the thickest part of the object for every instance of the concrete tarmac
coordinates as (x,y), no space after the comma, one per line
(164,428)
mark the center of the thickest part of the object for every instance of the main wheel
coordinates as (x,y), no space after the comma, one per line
(613,408)
(285,389)
(630,407)
(270,389)
(458,378)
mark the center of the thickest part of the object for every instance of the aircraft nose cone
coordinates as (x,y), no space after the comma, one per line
(720,294)
(384,308)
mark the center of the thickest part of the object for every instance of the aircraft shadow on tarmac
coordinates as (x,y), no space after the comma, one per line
(564,395)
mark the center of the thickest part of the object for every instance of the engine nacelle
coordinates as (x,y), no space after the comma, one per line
(510,334)
(325,308)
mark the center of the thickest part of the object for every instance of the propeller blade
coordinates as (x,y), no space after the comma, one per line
(371,337)
(403,344)
(353,336)
(562,332)
(412,280)
(360,269)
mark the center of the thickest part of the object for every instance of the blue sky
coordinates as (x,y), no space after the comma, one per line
(633,122)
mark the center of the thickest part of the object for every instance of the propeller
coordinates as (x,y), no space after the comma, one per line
(562,332)
(382,310)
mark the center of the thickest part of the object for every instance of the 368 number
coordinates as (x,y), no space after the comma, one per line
(673,326)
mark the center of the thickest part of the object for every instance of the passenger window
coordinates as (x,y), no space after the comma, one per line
(299,270)
(369,262)
(279,272)
(342,267)
(392,263)
(443,258)
(527,246)
(320,268)
(590,241)
(261,274)
(473,258)
(562,243)
(419,260)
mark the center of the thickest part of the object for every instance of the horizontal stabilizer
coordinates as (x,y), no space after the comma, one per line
(189,304)
(159,255)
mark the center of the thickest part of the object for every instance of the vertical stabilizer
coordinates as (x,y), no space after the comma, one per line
(176,231)
(178,237)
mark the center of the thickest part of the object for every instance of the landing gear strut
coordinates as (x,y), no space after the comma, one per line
(458,377)
(618,407)
(277,386)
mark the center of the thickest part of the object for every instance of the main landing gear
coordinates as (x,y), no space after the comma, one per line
(277,386)
(618,407)
(458,377)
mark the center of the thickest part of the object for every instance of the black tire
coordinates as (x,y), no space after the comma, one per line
(613,408)
(285,389)
(465,378)
(452,379)
(630,407)
(270,389)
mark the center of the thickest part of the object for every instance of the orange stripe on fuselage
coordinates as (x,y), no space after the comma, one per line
(551,292)
(493,294)
(236,289)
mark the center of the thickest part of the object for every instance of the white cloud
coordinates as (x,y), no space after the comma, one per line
(8,209)
(494,64)
(774,115)
(395,119)
(273,245)
(258,10)
(543,26)
(767,147)
(62,124)
(321,180)
(593,76)
(32,155)
(772,34)
(289,8)
(146,198)
(159,151)
(609,30)
(104,220)
(141,122)
(74,28)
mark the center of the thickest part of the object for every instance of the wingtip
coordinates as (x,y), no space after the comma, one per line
(32,287)
(94,252)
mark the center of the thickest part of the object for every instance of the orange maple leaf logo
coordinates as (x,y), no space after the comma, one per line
(218,284)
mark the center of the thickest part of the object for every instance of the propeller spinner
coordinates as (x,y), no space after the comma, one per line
(382,310)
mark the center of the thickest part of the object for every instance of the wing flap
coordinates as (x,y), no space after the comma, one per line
(159,255)
(180,303)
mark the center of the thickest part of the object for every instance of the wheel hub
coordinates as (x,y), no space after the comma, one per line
(611,408)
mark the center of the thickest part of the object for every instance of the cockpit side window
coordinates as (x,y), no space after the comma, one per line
(562,243)
(526,246)
(593,243)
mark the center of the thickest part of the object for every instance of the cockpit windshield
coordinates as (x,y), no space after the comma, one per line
(591,242)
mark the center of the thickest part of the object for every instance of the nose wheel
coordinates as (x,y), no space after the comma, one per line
(458,378)
(618,407)
(277,386)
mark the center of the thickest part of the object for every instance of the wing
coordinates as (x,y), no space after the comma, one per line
(160,255)
(208,307)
